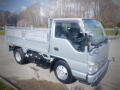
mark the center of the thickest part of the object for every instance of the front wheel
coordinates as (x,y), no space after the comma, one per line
(63,72)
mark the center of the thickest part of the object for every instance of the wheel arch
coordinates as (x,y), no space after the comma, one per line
(56,59)
(12,48)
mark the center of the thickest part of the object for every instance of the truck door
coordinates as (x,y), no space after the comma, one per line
(67,43)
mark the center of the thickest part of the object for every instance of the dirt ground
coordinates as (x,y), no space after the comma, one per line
(33,84)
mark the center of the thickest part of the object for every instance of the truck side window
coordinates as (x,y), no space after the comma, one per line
(71,32)
(60,30)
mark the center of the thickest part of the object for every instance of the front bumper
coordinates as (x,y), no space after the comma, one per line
(97,77)
(94,79)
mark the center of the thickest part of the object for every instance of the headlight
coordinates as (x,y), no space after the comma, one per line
(92,67)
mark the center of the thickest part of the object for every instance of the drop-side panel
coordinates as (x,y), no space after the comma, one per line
(36,40)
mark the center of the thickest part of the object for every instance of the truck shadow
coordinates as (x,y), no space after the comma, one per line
(44,65)
(99,87)
(40,63)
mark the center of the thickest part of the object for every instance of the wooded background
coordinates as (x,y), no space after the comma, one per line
(37,15)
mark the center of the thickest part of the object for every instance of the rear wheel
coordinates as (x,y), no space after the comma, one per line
(19,56)
(63,72)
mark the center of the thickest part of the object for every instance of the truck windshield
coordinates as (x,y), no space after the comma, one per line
(96,30)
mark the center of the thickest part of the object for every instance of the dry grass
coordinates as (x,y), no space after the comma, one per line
(4,86)
(2,32)
(111,32)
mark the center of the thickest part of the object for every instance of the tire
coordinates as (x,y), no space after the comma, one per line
(63,72)
(19,56)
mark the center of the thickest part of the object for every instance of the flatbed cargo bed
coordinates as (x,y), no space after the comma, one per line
(36,39)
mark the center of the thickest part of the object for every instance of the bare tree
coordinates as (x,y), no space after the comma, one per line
(38,14)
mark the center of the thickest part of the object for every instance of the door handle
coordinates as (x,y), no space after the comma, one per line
(56,49)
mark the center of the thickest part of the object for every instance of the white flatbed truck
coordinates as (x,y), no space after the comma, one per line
(75,48)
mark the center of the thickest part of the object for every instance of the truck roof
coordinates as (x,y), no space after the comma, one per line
(69,18)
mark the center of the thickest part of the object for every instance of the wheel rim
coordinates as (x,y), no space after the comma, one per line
(18,56)
(62,72)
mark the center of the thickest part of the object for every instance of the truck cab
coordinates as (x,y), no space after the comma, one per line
(83,45)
